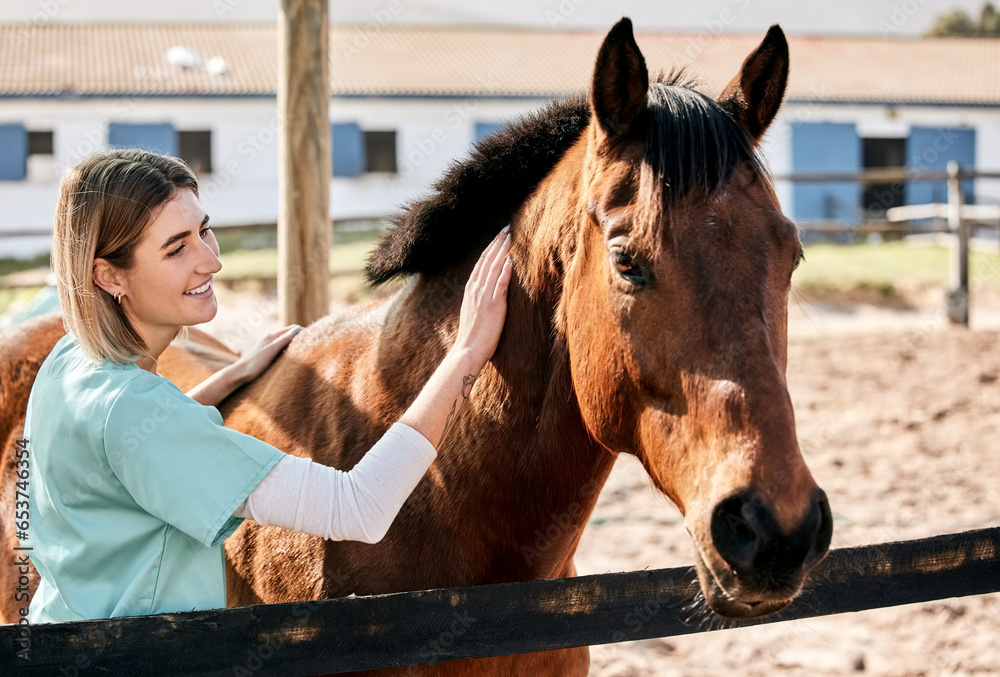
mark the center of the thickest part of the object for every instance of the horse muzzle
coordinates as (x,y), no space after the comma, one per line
(753,567)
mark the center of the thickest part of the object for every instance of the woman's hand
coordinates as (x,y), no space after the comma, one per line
(484,308)
(249,366)
(260,355)
(484,305)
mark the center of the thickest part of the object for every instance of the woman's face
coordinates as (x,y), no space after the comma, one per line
(170,283)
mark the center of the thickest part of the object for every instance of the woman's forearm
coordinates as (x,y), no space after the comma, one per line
(484,307)
(219,385)
(249,366)
(434,411)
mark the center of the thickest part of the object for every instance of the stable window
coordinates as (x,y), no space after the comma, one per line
(876,198)
(13,152)
(41,161)
(195,148)
(929,149)
(380,151)
(40,143)
(484,129)
(153,137)
(825,148)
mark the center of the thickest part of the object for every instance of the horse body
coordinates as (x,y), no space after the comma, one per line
(647,316)
(506,500)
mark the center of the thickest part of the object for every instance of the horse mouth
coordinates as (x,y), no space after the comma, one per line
(730,602)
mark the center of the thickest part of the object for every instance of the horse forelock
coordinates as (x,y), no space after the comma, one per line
(693,146)
(478,196)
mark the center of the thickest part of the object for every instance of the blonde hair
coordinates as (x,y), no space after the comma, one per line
(105,204)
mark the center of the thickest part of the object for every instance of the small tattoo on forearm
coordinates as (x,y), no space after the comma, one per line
(467,382)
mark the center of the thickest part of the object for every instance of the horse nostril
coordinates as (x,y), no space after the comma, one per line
(747,536)
(737,532)
(824,534)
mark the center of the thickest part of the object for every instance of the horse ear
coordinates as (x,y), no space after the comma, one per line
(755,94)
(621,81)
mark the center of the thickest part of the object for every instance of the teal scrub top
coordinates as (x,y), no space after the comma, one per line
(132,489)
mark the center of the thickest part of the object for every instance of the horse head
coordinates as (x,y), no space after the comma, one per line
(648,311)
(673,310)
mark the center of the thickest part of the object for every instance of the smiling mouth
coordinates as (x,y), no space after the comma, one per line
(199,290)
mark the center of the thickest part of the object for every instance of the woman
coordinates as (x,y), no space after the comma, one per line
(135,485)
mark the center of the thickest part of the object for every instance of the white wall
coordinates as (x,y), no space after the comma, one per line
(431,134)
(243,187)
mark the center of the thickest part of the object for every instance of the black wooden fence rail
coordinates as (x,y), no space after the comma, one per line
(342,635)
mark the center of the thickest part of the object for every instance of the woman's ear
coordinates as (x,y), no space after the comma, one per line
(108,278)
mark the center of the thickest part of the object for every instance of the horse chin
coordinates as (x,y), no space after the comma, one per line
(735,605)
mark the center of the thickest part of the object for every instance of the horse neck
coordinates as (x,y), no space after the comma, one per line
(520,449)
(564,460)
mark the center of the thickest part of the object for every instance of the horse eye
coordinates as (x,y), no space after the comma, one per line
(799,258)
(627,267)
(622,261)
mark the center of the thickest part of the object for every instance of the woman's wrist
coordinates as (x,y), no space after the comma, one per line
(463,362)
(219,385)
(237,374)
(436,408)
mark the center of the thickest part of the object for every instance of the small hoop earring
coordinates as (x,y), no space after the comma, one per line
(118,297)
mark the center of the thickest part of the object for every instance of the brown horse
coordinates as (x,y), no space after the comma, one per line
(647,317)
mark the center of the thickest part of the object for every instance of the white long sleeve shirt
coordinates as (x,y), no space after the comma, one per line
(359,505)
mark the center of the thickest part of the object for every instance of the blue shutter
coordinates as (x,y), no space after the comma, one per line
(348,143)
(13,152)
(154,137)
(826,147)
(930,149)
(484,129)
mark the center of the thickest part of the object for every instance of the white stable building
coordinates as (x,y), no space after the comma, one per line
(407,101)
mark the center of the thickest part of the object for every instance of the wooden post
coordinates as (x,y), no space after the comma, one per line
(958,282)
(304,161)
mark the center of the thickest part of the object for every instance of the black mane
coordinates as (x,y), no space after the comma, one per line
(693,145)
(478,197)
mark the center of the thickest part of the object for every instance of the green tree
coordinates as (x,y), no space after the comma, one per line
(958,22)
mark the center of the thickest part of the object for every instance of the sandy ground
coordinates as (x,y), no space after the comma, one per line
(898,416)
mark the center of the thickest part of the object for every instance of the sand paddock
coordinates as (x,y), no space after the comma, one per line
(898,417)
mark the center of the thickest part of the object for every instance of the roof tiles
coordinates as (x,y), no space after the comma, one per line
(130,59)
